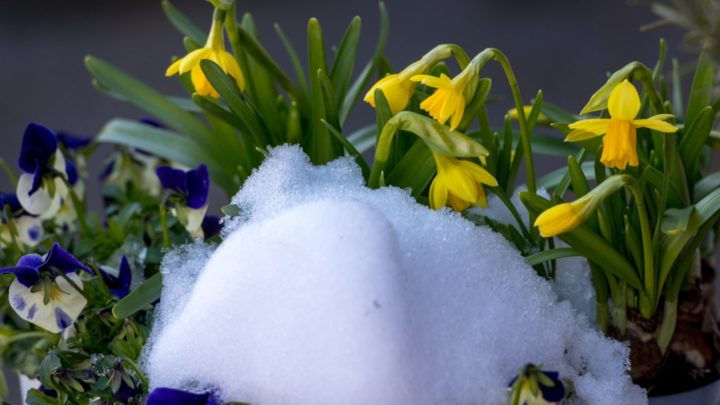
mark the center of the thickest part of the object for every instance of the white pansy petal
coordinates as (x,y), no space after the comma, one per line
(66,216)
(61,192)
(30,230)
(59,164)
(58,314)
(35,204)
(191,218)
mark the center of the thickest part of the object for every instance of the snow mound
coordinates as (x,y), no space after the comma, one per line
(329,293)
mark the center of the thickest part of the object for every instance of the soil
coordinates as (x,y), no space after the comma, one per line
(693,357)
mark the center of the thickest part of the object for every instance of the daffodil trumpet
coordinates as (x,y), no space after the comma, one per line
(620,136)
(214,50)
(459,183)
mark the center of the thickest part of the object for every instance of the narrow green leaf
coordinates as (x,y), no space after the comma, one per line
(577,178)
(478,101)
(706,185)
(295,60)
(183,24)
(344,63)
(328,97)
(147,293)
(364,138)
(550,254)
(552,179)
(147,99)
(701,89)
(694,139)
(319,144)
(678,227)
(350,149)
(256,50)
(415,170)
(363,78)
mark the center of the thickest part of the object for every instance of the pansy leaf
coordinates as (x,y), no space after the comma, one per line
(147,293)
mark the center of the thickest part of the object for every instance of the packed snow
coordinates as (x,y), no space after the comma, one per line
(327,292)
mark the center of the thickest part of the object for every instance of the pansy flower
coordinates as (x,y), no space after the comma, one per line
(133,166)
(46,288)
(29,228)
(534,386)
(188,194)
(211,226)
(118,282)
(167,396)
(41,187)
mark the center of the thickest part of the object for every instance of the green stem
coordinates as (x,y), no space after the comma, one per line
(139,373)
(513,210)
(619,308)
(164,225)
(72,284)
(667,327)
(382,153)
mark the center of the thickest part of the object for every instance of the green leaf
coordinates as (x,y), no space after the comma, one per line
(589,244)
(361,81)
(319,145)
(550,254)
(364,138)
(344,62)
(694,139)
(328,98)
(706,185)
(147,99)
(678,227)
(259,54)
(701,89)
(165,144)
(577,177)
(231,210)
(552,179)
(478,101)
(350,149)
(183,24)
(383,114)
(295,60)
(598,101)
(139,298)
(222,4)
(415,170)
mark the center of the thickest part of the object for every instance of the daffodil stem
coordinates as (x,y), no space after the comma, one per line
(164,225)
(522,120)
(215,38)
(513,210)
(9,173)
(382,153)
(647,297)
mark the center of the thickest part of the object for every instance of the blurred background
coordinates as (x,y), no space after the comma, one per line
(564,47)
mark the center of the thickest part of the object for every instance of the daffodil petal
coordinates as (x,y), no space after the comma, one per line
(433,81)
(230,65)
(597,126)
(478,173)
(174,68)
(438,194)
(579,135)
(459,111)
(655,125)
(192,60)
(624,101)
(459,183)
(457,204)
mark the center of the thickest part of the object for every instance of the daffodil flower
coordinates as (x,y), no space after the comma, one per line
(118,281)
(449,99)
(459,183)
(397,90)
(191,188)
(619,144)
(163,396)
(41,188)
(213,50)
(536,387)
(561,218)
(45,289)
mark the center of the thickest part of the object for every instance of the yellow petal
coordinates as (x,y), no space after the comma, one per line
(558,219)
(433,81)
(655,125)
(458,111)
(438,194)
(396,90)
(597,126)
(230,65)
(478,173)
(579,135)
(624,101)
(456,203)
(174,68)
(460,183)
(201,83)
(193,59)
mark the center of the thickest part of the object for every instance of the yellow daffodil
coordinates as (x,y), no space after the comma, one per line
(619,144)
(448,100)
(559,219)
(459,184)
(213,50)
(396,89)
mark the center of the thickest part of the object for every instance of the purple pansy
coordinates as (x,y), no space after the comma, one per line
(171,396)
(194,184)
(39,145)
(72,141)
(29,267)
(11,200)
(211,226)
(119,286)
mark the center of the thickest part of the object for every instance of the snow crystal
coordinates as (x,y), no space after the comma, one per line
(326,292)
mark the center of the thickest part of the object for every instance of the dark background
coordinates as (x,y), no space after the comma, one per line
(563,47)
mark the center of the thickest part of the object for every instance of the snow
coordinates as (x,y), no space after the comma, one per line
(326,292)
